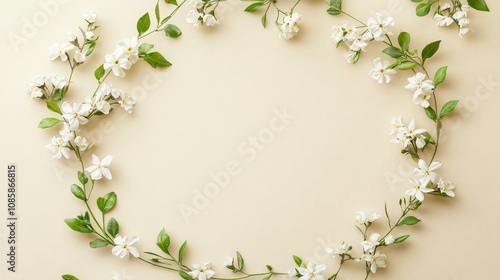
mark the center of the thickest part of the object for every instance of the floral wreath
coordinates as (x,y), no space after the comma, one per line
(355,37)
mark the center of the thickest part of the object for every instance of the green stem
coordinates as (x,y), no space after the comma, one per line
(163,22)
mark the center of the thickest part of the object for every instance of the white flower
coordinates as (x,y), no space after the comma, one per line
(105,90)
(292,272)
(60,50)
(378,26)
(116,93)
(90,16)
(426,173)
(228,261)
(397,125)
(443,20)
(337,34)
(389,239)
(350,31)
(419,84)
(75,115)
(420,142)
(446,187)
(411,132)
(58,148)
(127,102)
(419,189)
(375,261)
(123,246)
(338,249)
(81,142)
(463,31)
(350,56)
(209,20)
(201,272)
(195,18)
(312,272)
(381,71)
(372,243)
(196,3)
(422,99)
(66,133)
(71,36)
(35,86)
(360,41)
(89,35)
(444,7)
(79,57)
(366,217)
(290,28)
(99,168)
(463,22)
(117,61)
(130,47)
(58,81)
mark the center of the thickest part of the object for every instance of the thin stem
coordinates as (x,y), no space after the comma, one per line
(157,265)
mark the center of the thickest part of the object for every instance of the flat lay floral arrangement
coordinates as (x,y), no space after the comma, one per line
(353,35)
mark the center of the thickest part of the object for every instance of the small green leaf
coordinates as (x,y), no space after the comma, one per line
(107,202)
(410,220)
(297,260)
(173,2)
(241,261)
(448,108)
(182,251)
(163,241)
(143,24)
(91,49)
(113,227)
(430,50)
(184,275)
(393,52)
(267,277)
(416,1)
(335,7)
(401,239)
(404,39)
(428,138)
(387,215)
(423,9)
(157,11)
(263,20)
(98,243)
(99,72)
(431,114)
(69,277)
(144,48)
(479,5)
(155,59)
(58,94)
(172,31)
(78,225)
(48,122)
(51,105)
(405,65)
(78,192)
(254,7)
(270,268)
(82,178)
(440,75)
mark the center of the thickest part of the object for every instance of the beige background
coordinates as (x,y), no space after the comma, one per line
(298,194)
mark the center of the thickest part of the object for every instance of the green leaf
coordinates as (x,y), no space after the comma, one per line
(297,260)
(143,24)
(173,2)
(423,9)
(393,52)
(48,122)
(172,31)
(254,7)
(51,105)
(69,277)
(184,275)
(78,192)
(107,202)
(182,251)
(99,72)
(405,65)
(431,114)
(416,1)
(241,261)
(410,220)
(440,75)
(78,225)
(479,5)
(270,268)
(428,138)
(163,241)
(448,108)
(82,178)
(155,59)
(430,50)
(113,227)
(58,94)
(335,7)
(401,239)
(263,20)
(157,12)
(404,39)
(144,48)
(91,49)
(267,277)
(98,243)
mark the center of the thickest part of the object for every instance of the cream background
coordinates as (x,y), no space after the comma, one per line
(302,191)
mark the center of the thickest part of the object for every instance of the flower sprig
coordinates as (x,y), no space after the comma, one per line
(95,220)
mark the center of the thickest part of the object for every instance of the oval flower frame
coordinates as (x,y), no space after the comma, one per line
(418,143)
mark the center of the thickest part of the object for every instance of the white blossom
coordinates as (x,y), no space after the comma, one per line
(58,81)
(90,16)
(366,217)
(58,147)
(60,50)
(100,168)
(443,20)
(66,133)
(419,189)
(209,20)
(195,18)
(378,26)
(389,239)
(426,172)
(337,249)
(130,47)
(446,187)
(35,86)
(360,41)
(202,272)
(419,84)
(381,71)
(117,61)
(81,143)
(127,102)
(375,261)
(123,246)
(371,243)
(290,27)
(350,56)
(337,34)
(79,57)
(76,114)
(228,261)
(312,271)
